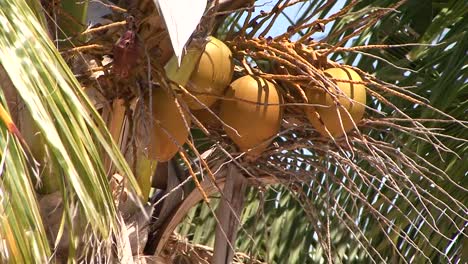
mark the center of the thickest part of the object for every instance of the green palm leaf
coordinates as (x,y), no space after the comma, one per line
(74,135)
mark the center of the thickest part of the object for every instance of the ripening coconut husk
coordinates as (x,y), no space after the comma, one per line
(253,119)
(211,75)
(326,115)
(166,118)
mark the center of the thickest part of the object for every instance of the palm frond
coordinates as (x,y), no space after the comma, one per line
(74,135)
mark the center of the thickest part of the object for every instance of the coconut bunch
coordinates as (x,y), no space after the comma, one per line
(250,108)
(333,103)
(277,85)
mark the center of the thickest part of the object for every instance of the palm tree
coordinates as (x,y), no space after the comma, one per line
(75,175)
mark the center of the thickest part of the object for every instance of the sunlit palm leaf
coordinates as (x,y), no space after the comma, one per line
(73,132)
(22,234)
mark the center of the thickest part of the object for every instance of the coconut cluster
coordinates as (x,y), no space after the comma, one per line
(250,107)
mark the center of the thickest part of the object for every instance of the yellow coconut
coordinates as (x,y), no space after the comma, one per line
(168,128)
(211,75)
(254,116)
(352,101)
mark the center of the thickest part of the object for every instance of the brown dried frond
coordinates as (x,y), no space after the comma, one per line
(179,248)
